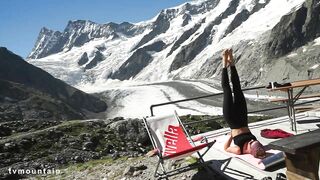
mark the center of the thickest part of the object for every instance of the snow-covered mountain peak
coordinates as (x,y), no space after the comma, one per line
(79,24)
(179,42)
(77,33)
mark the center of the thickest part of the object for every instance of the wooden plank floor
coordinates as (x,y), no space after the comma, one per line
(235,168)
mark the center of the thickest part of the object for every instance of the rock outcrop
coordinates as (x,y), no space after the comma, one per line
(295,29)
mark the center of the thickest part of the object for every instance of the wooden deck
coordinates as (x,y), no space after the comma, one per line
(235,168)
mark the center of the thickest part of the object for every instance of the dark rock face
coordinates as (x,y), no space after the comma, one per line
(76,34)
(200,8)
(14,69)
(83,59)
(291,33)
(243,16)
(237,21)
(259,6)
(188,10)
(131,130)
(10,112)
(311,28)
(230,10)
(11,127)
(295,30)
(98,57)
(186,19)
(161,25)
(190,51)
(22,102)
(139,59)
(48,46)
(5,131)
(183,38)
(46,40)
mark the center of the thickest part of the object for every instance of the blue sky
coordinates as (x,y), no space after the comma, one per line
(21,20)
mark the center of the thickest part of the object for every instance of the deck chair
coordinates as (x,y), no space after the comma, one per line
(170,138)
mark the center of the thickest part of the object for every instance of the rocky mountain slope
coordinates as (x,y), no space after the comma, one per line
(28,92)
(57,144)
(185,42)
(78,146)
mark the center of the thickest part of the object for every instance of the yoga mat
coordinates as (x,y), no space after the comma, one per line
(273,156)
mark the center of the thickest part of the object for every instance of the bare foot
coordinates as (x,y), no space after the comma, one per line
(230,58)
(152,153)
(225,56)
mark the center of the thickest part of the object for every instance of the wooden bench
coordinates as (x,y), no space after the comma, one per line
(301,97)
(292,98)
(297,84)
(302,155)
(306,108)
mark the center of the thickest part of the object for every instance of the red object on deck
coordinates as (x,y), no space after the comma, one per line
(274,133)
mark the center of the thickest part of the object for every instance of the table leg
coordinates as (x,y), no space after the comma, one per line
(291,111)
(289,114)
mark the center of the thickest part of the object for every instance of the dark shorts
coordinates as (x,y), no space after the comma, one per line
(241,139)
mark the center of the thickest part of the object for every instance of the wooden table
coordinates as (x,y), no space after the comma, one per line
(292,99)
(302,155)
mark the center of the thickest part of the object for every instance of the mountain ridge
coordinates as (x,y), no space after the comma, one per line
(179,42)
(64,40)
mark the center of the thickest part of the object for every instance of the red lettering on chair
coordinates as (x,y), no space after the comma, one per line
(171,139)
(171,142)
(170,150)
(173,129)
(170,135)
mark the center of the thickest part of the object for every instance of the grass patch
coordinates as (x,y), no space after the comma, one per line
(252,119)
(90,166)
(191,160)
(93,163)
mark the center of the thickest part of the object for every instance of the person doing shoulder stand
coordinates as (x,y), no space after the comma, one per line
(235,113)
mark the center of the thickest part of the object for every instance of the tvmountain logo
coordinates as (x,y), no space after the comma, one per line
(43,171)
